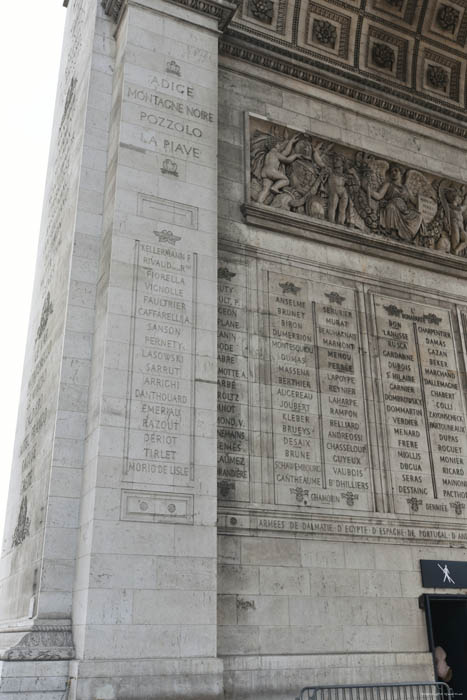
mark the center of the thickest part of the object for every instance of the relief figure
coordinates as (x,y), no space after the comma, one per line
(287,200)
(324,180)
(398,212)
(338,195)
(273,173)
(454,201)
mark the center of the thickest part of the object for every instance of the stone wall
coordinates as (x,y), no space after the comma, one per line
(332,579)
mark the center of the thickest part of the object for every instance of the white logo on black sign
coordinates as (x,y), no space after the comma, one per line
(446,573)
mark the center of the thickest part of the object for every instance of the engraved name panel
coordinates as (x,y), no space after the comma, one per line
(233,418)
(319,432)
(159,436)
(423,409)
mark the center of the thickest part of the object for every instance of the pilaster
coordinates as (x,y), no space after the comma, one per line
(145,584)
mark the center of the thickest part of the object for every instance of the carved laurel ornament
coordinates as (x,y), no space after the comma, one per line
(302,174)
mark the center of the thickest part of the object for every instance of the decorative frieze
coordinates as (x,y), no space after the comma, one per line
(40,643)
(322,180)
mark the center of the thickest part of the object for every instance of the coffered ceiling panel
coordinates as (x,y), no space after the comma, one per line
(406,56)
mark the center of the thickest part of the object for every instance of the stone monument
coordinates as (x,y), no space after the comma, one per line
(242,429)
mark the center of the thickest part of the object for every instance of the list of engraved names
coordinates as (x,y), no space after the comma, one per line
(159,417)
(423,407)
(319,435)
(233,469)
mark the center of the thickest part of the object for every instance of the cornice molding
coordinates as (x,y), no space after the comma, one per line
(301,226)
(220,10)
(271,59)
(113,8)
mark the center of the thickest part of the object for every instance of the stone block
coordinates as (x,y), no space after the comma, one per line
(167,607)
(264,551)
(238,579)
(278,580)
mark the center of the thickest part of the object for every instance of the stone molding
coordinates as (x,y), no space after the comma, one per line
(220,10)
(348,527)
(299,225)
(404,57)
(38,643)
(233,46)
(113,8)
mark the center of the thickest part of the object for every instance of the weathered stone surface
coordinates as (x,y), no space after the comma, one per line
(243,419)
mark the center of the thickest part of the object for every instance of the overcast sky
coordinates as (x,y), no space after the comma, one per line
(30,48)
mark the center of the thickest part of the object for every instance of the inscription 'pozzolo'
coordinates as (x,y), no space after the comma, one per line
(300,173)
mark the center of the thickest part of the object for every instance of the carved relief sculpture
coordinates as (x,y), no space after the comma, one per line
(447,18)
(323,180)
(262,10)
(272,172)
(23,524)
(383,56)
(324,32)
(437,77)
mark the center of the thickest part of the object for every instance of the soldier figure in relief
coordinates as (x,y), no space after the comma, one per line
(273,173)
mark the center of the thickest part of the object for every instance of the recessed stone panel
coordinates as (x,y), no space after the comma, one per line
(157,507)
(159,421)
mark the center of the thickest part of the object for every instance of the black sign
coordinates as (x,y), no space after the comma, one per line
(443,573)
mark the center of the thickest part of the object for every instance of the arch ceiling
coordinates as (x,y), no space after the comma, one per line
(405,56)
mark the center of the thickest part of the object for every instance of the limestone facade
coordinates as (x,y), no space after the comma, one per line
(243,420)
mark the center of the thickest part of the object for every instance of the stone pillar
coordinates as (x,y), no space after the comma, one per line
(145,586)
(109,566)
(41,532)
